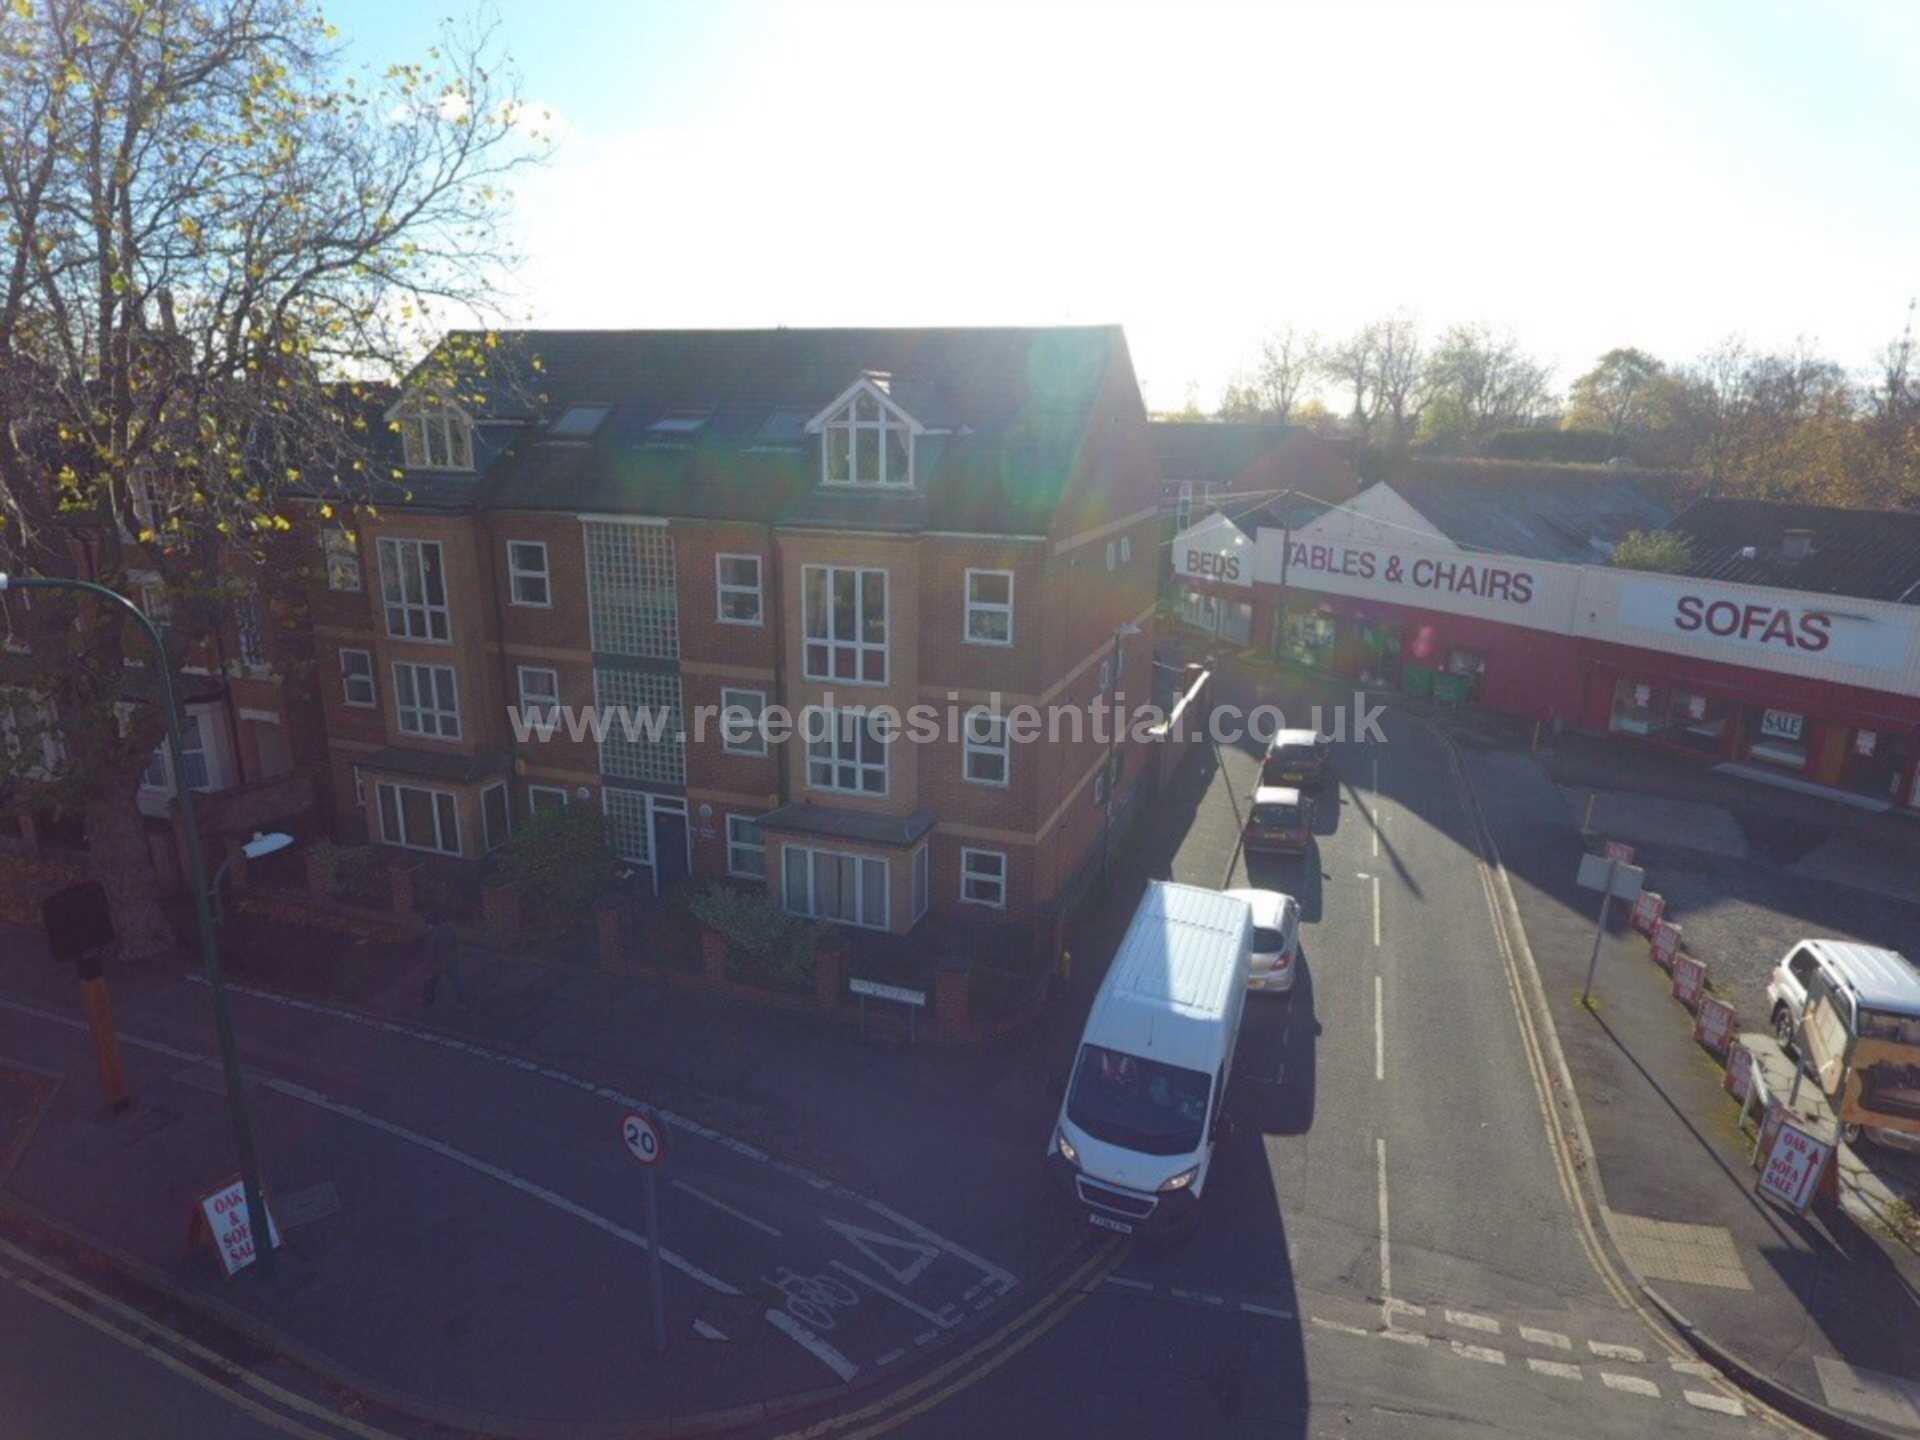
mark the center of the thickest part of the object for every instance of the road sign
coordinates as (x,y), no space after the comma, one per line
(1794,1166)
(645,1139)
(1613,877)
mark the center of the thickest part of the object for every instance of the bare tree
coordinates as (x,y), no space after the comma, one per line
(1352,365)
(215,248)
(1276,382)
(1482,382)
(1401,377)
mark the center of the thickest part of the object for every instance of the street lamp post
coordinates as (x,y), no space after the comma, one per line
(197,881)
(1127,630)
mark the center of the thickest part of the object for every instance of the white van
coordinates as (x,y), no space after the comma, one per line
(1142,1111)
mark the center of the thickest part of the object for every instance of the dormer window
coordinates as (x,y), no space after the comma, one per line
(866,440)
(436,439)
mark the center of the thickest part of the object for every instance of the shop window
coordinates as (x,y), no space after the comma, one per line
(1236,622)
(1638,707)
(1779,738)
(1202,612)
(1698,722)
(1309,637)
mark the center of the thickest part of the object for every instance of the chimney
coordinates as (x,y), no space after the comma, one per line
(1796,544)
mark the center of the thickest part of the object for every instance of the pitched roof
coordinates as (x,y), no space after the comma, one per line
(1866,554)
(1238,457)
(1013,403)
(1571,513)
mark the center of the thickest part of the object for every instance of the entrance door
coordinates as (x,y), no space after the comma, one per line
(670,861)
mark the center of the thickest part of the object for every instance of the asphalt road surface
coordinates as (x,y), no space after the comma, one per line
(1390,1250)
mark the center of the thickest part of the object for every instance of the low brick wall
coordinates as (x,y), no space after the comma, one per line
(27,879)
(293,907)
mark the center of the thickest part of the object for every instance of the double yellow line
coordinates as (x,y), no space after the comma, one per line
(976,1362)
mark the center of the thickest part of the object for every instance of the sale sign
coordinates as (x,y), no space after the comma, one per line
(1713,1025)
(1793,1167)
(1689,980)
(1647,911)
(1619,850)
(1739,1077)
(225,1214)
(1666,943)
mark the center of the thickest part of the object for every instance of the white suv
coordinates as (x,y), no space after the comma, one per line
(1860,978)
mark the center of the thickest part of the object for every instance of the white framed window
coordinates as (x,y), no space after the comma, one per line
(356,678)
(742,721)
(496,816)
(921,884)
(342,556)
(746,847)
(194,766)
(413,584)
(845,619)
(1126,549)
(740,600)
(359,787)
(983,877)
(528,581)
(989,607)
(418,819)
(542,799)
(249,630)
(436,439)
(151,595)
(426,700)
(988,752)
(140,499)
(539,692)
(1113,554)
(835,885)
(847,751)
(866,443)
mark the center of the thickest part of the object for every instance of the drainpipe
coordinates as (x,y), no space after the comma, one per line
(507,692)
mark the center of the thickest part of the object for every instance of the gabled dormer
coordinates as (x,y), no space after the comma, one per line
(434,434)
(866,440)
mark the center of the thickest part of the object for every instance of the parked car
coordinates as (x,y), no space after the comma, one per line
(1875,995)
(1297,757)
(1276,939)
(1281,819)
(1135,1137)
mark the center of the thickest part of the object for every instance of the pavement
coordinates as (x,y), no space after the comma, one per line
(1822,1305)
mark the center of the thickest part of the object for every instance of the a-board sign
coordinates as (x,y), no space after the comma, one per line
(1739,1077)
(1713,1024)
(1689,980)
(223,1213)
(1647,910)
(1618,850)
(1793,1167)
(899,994)
(1666,944)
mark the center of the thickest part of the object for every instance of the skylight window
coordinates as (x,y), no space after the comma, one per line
(579,421)
(783,427)
(680,423)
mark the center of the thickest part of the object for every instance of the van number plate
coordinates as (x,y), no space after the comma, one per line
(1106,1224)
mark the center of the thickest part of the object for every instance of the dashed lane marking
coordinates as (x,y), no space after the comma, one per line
(812,1344)
(1559,1369)
(1198,1297)
(1629,1353)
(1338,1328)
(890,1357)
(1125,1284)
(1699,1369)
(941,1319)
(708,1332)
(1466,1320)
(1484,1353)
(1406,1337)
(1552,1338)
(1631,1384)
(1267,1310)
(1720,1404)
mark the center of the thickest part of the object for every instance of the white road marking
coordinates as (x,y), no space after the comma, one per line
(1338,1327)
(1631,1384)
(707,1332)
(1724,1404)
(1559,1369)
(890,1357)
(1617,1352)
(1405,1307)
(1379,1032)
(1405,1337)
(1486,1354)
(425,1142)
(1386,1256)
(1699,1369)
(1267,1310)
(1129,1284)
(813,1344)
(1376,909)
(894,1295)
(1376,807)
(1551,1338)
(1200,1297)
(1469,1321)
(723,1207)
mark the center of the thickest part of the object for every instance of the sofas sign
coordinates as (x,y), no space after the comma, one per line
(1779,624)
(1484,579)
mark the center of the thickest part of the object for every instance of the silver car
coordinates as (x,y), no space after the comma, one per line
(1276,939)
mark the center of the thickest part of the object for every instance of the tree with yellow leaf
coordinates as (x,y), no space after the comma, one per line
(220,250)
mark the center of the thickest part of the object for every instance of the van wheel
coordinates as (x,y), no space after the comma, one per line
(1851,1134)
(1783,1026)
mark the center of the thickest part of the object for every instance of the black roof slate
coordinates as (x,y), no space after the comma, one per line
(1569,513)
(1865,554)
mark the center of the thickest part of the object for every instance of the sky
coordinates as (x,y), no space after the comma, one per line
(1583,175)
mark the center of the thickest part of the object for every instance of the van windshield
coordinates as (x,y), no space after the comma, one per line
(1141,1105)
(1277,817)
(1883,1025)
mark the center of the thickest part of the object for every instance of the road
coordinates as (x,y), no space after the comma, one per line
(1391,1250)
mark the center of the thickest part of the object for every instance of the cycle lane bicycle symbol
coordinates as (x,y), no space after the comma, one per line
(812,1299)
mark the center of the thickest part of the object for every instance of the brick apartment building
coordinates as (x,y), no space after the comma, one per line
(836,522)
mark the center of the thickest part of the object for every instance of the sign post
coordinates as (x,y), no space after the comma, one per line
(1610,876)
(646,1137)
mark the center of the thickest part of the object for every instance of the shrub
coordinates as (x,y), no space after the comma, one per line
(1663,550)
(356,871)
(768,946)
(560,861)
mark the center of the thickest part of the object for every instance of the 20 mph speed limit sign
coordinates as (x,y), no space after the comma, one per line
(644,1138)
